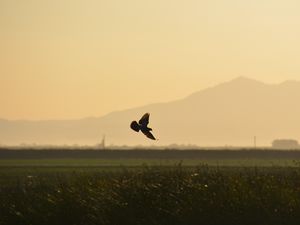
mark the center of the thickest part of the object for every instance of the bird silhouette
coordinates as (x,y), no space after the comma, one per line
(142,126)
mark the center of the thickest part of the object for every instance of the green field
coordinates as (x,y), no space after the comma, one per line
(133,191)
(102,163)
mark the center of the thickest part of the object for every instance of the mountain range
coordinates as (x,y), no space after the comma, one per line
(231,113)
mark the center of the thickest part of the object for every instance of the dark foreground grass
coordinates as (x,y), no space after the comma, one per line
(152,195)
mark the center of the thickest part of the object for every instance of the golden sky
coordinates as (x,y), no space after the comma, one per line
(64,59)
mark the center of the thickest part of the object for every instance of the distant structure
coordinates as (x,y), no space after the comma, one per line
(285,144)
(101,145)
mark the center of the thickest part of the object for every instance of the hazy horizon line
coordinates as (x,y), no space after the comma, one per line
(241,77)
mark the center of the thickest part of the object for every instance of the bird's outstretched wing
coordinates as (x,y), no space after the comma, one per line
(145,119)
(149,135)
(135,126)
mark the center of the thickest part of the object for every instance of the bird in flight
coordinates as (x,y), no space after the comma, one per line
(142,125)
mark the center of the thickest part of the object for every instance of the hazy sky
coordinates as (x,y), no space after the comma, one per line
(77,58)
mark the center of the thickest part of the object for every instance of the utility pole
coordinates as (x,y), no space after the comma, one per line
(254,141)
(103,142)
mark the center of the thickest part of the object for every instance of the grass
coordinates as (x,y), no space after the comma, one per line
(98,163)
(188,192)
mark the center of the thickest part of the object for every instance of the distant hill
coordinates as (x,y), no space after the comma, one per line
(231,113)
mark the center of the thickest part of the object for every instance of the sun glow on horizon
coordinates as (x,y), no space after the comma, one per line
(73,59)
